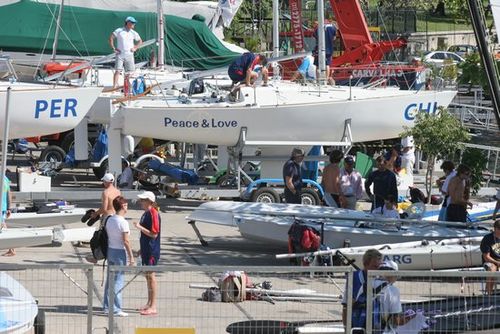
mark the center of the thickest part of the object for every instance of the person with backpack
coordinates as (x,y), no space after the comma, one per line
(390,314)
(149,226)
(371,261)
(119,252)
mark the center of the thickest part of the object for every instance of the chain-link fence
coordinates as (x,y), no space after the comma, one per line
(48,298)
(274,297)
(432,302)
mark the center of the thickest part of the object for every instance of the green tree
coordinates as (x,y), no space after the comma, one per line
(473,72)
(437,135)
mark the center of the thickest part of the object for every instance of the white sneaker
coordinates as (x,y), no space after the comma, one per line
(121,314)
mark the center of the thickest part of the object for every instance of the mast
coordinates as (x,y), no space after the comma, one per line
(321,41)
(276,37)
(479,25)
(161,34)
(58,27)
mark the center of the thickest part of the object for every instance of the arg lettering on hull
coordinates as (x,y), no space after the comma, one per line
(399,259)
(55,108)
(413,109)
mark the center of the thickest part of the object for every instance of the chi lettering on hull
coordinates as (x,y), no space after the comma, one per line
(399,259)
(55,108)
(412,109)
(211,123)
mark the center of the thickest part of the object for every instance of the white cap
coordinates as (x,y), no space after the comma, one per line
(389,265)
(147,195)
(108,177)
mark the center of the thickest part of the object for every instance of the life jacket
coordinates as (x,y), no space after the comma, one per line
(360,298)
(302,238)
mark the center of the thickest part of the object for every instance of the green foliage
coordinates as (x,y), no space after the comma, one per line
(449,72)
(476,160)
(252,44)
(438,135)
(473,72)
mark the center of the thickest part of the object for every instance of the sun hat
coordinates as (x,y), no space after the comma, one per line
(108,177)
(131,19)
(388,265)
(147,195)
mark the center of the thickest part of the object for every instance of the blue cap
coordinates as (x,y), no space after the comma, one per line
(130,19)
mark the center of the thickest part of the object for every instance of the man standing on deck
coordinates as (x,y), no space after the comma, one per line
(330,180)
(457,207)
(292,176)
(330,35)
(497,206)
(128,41)
(449,172)
(244,69)
(384,183)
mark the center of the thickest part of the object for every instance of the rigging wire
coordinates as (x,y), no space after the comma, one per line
(392,47)
(79,31)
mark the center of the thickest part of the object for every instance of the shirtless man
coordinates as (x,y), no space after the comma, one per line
(108,195)
(457,208)
(331,180)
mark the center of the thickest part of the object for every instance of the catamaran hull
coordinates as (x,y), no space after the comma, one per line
(270,223)
(33,219)
(36,110)
(311,118)
(338,233)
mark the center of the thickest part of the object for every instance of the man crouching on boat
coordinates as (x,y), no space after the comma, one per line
(245,69)
(490,248)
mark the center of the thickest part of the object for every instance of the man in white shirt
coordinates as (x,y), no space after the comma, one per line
(449,171)
(408,156)
(126,179)
(350,183)
(128,41)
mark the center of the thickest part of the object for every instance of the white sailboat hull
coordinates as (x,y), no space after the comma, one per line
(17,306)
(37,110)
(33,219)
(285,112)
(442,254)
(29,237)
(271,222)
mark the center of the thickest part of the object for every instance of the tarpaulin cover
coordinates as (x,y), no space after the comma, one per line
(29,26)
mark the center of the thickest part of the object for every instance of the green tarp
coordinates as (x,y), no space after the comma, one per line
(29,27)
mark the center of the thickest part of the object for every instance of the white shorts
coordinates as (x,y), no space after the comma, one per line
(126,61)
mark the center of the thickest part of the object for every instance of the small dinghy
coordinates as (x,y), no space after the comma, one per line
(18,308)
(425,255)
(44,215)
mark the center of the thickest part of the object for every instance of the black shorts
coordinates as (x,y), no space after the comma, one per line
(236,75)
(456,213)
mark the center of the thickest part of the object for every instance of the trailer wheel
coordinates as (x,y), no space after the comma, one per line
(69,141)
(265,195)
(53,153)
(309,197)
(39,323)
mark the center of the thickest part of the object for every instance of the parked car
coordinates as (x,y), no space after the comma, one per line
(437,58)
(463,49)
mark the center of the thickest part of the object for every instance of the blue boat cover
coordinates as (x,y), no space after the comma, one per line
(177,173)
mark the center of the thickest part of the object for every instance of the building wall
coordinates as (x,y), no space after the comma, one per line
(441,40)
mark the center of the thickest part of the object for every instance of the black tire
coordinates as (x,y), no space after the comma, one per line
(229,181)
(101,170)
(265,195)
(53,153)
(309,197)
(39,323)
(68,141)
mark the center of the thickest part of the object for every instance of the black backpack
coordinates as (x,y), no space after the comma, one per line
(99,242)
